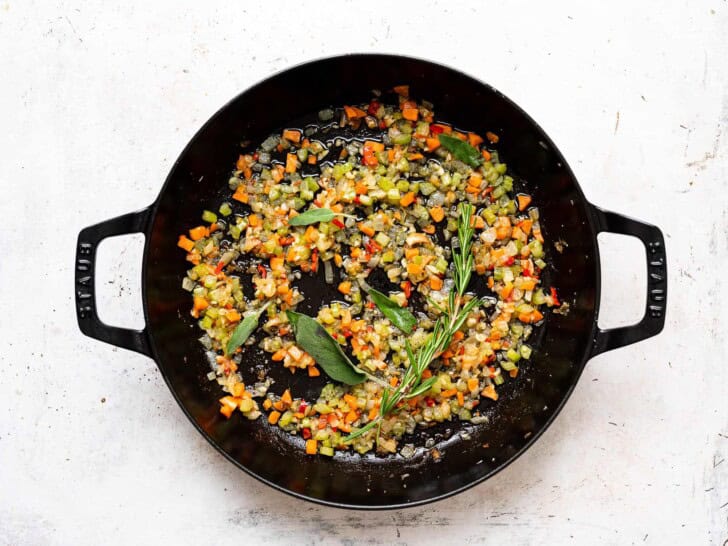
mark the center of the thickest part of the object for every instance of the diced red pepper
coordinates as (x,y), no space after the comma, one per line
(373,108)
(357,200)
(429,401)
(509,261)
(285,241)
(370,305)
(219,266)
(407,288)
(262,271)
(255,156)
(555,296)
(314,261)
(338,223)
(436,129)
(302,408)
(306,433)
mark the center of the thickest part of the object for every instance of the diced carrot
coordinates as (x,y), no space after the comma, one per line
(448,393)
(312,159)
(273,417)
(286,397)
(461,398)
(432,144)
(527,284)
(280,406)
(472,190)
(513,372)
(393,381)
(490,282)
(373,413)
(254,220)
(200,303)
(185,243)
(436,283)
(311,234)
(506,291)
(427,374)
(407,199)
(292,135)
(198,233)
(410,114)
(276,262)
(492,137)
(402,90)
(480,269)
(351,401)
(502,232)
(361,188)
(242,163)
(472,384)
(536,315)
(437,213)
(489,392)
(366,229)
(233,316)
(351,417)
(345,287)
(414,269)
(410,253)
(523,201)
(525,226)
(279,355)
(227,411)
(374,146)
(291,163)
(429,229)
(311,447)
(241,194)
(267,404)
(313,371)
(352,112)
(415,156)
(486,155)
(474,140)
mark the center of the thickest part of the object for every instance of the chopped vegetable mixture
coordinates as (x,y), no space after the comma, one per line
(400,197)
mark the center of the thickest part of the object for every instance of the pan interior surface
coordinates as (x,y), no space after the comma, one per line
(464,454)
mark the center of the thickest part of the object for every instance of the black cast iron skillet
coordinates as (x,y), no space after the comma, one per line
(563,345)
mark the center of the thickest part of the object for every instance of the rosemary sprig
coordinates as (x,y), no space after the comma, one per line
(449,322)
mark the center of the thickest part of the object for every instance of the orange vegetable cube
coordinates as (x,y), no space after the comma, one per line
(311,447)
(273,417)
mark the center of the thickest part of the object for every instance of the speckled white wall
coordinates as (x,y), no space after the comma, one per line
(96,101)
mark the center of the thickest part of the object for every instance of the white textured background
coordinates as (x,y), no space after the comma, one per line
(96,103)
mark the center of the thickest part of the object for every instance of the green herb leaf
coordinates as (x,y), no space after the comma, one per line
(316,341)
(400,316)
(312,216)
(461,150)
(243,330)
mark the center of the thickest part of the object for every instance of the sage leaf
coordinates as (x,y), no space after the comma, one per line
(461,150)
(242,332)
(316,341)
(312,216)
(400,316)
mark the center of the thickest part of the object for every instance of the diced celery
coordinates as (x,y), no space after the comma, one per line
(501,168)
(306,194)
(536,248)
(513,355)
(209,216)
(285,419)
(540,264)
(394,195)
(402,139)
(325,450)
(499,379)
(427,189)
(526,351)
(385,183)
(508,183)
(365,200)
(311,183)
(489,216)
(225,209)
(403,186)
(382,239)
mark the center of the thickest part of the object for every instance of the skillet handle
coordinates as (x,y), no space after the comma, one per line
(654,318)
(88,319)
